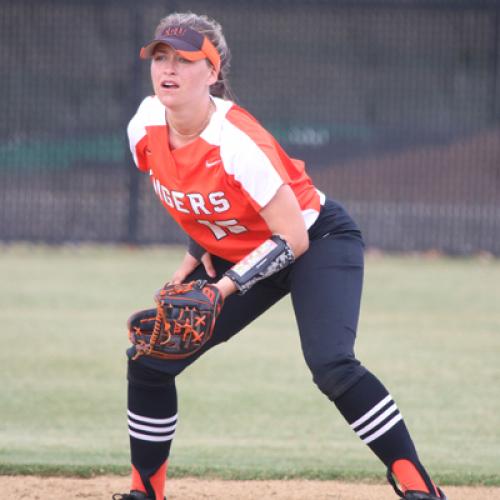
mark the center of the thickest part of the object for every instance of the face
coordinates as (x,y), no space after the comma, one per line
(178,82)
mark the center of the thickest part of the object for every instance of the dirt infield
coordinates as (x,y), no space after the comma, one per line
(101,488)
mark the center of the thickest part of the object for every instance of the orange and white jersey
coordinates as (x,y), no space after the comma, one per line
(216,186)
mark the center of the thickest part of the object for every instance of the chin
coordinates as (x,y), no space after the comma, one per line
(168,101)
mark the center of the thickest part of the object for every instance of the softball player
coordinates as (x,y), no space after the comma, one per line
(231,187)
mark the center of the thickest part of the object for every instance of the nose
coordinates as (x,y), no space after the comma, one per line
(170,64)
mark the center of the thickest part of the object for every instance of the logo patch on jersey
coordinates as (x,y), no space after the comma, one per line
(210,164)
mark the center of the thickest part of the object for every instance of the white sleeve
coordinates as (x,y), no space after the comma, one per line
(150,112)
(248,163)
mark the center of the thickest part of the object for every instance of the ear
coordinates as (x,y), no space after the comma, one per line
(212,77)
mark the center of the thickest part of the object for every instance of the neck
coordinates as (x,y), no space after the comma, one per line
(189,122)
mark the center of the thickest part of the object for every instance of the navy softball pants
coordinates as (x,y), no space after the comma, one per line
(325,284)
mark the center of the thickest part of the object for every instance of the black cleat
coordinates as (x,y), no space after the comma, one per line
(414,495)
(133,495)
(420,495)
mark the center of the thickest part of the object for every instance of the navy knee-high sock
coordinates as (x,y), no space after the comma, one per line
(152,418)
(373,415)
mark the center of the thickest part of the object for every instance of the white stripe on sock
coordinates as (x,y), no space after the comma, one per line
(157,430)
(377,421)
(371,412)
(146,437)
(389,425)
(152,420)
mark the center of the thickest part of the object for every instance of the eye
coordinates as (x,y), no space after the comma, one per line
(182,60)
(158,57)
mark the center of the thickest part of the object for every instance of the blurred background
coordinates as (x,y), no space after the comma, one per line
(394,105)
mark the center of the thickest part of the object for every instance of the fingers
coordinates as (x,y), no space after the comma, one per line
(188,265)
(209,267)
(177,278)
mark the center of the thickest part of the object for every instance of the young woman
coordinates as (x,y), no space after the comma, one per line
(236,193)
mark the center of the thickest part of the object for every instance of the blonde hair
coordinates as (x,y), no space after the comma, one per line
(213,31)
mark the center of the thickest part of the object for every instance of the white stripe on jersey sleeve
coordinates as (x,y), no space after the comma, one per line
(243,159)
(212,134)
(310,215)
(150,112)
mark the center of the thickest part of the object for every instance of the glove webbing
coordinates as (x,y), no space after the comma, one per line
(180,328)
(160,320)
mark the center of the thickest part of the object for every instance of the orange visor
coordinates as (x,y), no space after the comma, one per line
(188,43)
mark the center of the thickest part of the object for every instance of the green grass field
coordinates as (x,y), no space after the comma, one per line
(430,329)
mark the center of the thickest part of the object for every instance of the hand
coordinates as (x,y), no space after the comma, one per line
(206,260)
(189,264)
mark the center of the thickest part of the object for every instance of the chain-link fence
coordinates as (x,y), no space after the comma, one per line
(394,105)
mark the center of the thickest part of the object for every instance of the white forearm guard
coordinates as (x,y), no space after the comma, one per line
(267,259)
